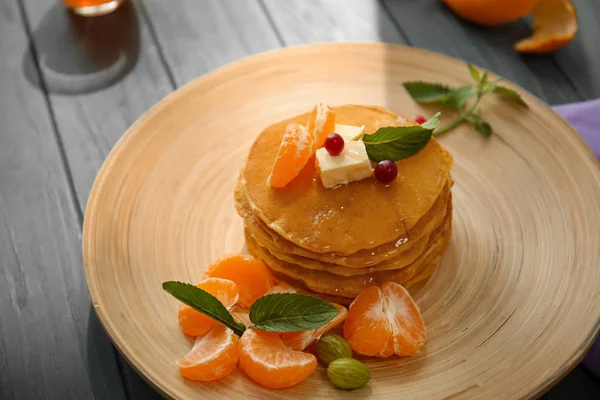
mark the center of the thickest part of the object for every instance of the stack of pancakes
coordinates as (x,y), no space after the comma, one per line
(336,242)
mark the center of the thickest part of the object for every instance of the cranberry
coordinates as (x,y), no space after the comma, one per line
(419,119)
(386,171)
(334,144)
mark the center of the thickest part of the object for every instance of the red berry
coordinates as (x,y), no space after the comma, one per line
(419,119)
(334,144)
(386,171)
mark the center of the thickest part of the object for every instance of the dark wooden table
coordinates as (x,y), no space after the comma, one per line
(70,86)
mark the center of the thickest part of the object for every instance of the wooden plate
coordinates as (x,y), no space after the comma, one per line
(514,304)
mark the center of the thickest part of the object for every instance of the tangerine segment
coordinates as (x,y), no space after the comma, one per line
(554,25)
(193,322)
(301,340)
(321,123)
(268,362)
(293,154)
(251,275)
(408,328)
(366,328)
(213,356)
(385,321)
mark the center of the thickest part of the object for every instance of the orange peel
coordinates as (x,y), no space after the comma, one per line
(555,24)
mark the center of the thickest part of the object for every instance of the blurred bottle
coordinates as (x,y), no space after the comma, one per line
(92,8)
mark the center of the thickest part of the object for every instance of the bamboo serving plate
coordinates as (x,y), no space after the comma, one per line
(514,304)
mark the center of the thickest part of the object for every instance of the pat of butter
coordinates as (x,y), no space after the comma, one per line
(349,132)
(351,165)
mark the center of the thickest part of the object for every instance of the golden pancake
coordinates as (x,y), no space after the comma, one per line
(301,288)
(348,218)
(402,251)
(410,285)
(327,283)
(402,260)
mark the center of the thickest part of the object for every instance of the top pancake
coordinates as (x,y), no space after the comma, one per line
(348,218)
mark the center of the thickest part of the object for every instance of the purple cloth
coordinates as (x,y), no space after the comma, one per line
(585,118)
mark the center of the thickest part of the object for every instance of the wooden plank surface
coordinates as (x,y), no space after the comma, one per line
(199,36)
(51,344)
(102,74)
(313,21)
(429,24)
(77,49)
(580,59)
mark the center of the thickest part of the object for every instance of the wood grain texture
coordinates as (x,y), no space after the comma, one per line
(313,21)
(580,59)
(91,123)
(51,344)
(431,25)
(79,50)
(198,36)
(498,310)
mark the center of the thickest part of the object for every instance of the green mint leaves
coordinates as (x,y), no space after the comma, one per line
(474,72)
(279,312)
(464,99)
(203,302)
(398,142)
(427,92)
(290,312)
(509,94)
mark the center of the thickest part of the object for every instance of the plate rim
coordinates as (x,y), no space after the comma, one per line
(104,171)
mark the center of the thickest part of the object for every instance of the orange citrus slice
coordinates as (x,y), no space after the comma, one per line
(491,12)
(268,362)
(213,356)
(195,323)
(251,276)
(554,25)
(385,321)
(321,123)
(294,152)
(301,340)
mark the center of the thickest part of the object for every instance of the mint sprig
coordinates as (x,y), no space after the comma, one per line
(290,312)
(279,312)
(464,99)
(398,142)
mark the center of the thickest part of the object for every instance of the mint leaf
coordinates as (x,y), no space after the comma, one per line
(474,72)
(483,127)
(458,97)
(398,142)
(291,312)
(203,302)
(509,94)
(484,78)
(427,92)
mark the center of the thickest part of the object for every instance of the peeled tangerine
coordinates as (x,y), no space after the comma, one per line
(299,144)
(321,123)
(268,362)
(214,356)
(251,276)
(385,321)
(194,323)
(294,152)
